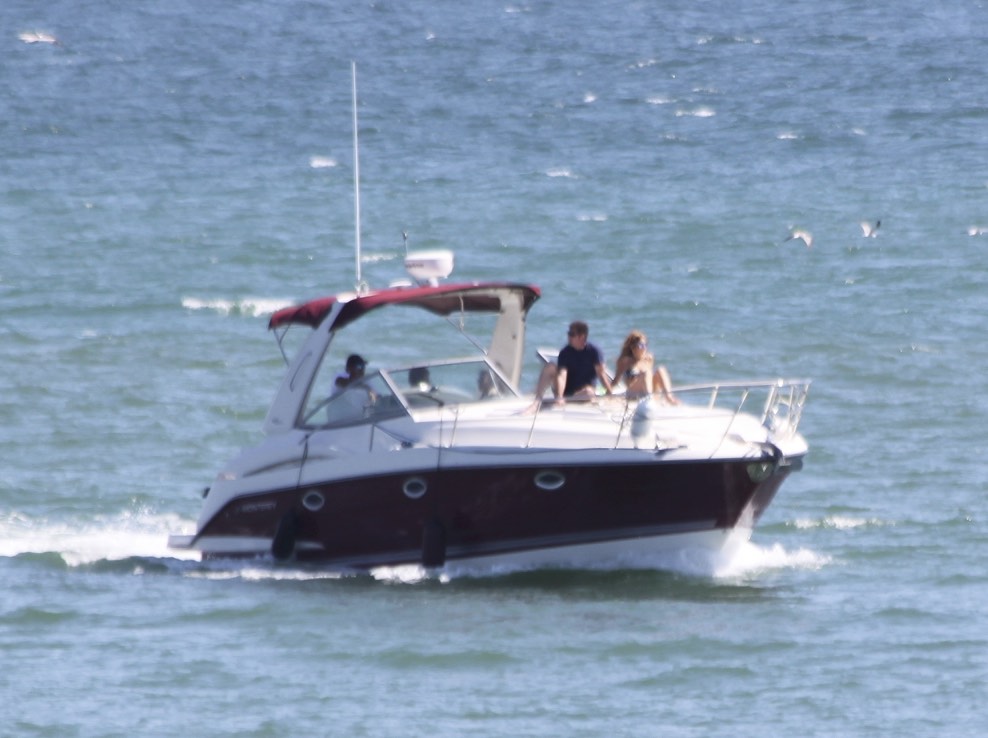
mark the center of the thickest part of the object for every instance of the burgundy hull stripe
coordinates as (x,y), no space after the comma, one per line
(497,510)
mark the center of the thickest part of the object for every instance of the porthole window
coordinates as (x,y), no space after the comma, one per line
(313,501)
(549,480)
(414,488)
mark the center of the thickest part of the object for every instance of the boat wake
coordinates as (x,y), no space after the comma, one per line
(136,542)
(752,560)
(746,561)
(126,536)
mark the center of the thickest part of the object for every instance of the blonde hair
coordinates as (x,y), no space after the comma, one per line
(636,336)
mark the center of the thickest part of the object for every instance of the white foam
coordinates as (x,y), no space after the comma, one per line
(322,162)
(377,257)
(254,572)
(741,559)
(559,172)
(703,40)
(751,560)
(250,306)
(701,112)
(840,522)
(406,574)
(123,536)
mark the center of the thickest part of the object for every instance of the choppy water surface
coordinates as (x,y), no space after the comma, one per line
(169,176)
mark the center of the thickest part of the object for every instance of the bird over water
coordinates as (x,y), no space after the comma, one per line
(870,230)
(799,234)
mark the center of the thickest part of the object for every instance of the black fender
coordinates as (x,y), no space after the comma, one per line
(283,543)
(433,543)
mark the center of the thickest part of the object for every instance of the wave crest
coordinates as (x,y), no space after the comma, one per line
(249,306)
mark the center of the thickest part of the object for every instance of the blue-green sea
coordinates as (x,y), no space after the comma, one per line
(173,171)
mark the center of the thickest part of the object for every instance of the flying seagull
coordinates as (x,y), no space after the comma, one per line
(801,235)
(868,230)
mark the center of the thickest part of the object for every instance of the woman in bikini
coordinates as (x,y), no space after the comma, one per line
(636,368)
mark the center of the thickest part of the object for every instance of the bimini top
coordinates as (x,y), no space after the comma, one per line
(484,297)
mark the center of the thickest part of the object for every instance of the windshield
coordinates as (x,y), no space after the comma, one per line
(342,398)
(360,400)
(450,383)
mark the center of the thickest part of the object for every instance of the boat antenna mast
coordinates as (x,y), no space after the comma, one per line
(361,286)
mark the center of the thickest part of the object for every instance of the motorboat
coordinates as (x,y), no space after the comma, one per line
(436,457)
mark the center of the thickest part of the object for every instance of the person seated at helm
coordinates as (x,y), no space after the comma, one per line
(352,397)
(355,367)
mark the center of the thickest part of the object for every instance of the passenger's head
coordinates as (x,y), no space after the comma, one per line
(418,375)
(635,340)
(578,333)
(485,383)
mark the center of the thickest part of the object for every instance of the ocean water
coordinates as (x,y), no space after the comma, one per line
(171,173)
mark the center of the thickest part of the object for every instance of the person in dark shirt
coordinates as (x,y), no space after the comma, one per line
(576,371)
